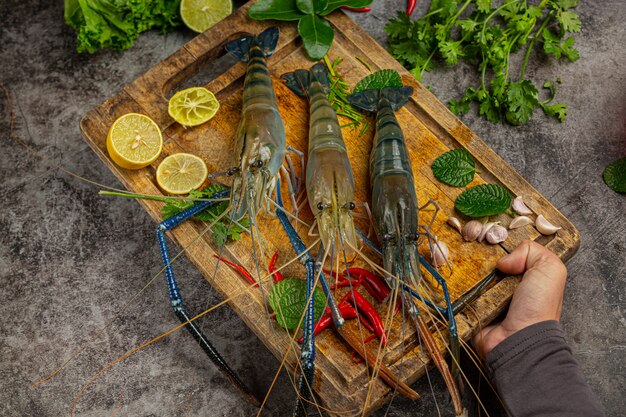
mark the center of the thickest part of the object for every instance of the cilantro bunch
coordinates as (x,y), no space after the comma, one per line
(486,36)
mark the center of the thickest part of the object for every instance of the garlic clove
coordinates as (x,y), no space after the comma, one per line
(496,234)
(520,221)
(544,226)
(456,224)
(439,253)
(520,207)
(485,229)
(471,230)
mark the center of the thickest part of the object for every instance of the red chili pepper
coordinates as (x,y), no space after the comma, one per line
(366,323)
(334,274)
(239,269)
(347,312)
(357,10)
(372,315)
(410,7)
(276,274)
(354,283)
(378,287)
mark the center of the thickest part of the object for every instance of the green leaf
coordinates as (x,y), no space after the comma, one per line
(379,79)
(317,35)
(483,5)
(335,4)
(522,99)
(288,300)
(552,45)
(305,6)
(275,10)
(615,175)
(558,111)
(483,200)
(451,51)
(455,168)
(458,107)
(570,22)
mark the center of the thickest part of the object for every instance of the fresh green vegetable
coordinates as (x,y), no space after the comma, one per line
(486,36)
(379,79)
(615,175)
(221,232)
(117,23)
(338,97)
(483,200)
(288,300)
(316,32)
(455,168)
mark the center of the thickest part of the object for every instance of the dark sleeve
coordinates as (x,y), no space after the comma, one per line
(536,375)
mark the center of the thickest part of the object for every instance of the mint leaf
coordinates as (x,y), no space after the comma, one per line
(288,300)
(317,35)
(379,79)
(483,200)
(455,168)
(615,175)
(275,10)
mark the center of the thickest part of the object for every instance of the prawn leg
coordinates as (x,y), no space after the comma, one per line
(176,300)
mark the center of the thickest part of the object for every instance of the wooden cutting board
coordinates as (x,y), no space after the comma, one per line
(430,130)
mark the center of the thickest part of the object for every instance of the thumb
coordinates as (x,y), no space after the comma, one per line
(481,341)
(531,255)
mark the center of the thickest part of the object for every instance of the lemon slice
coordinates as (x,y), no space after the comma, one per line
(180,173)
(193,106)
(134,141)
(199,15)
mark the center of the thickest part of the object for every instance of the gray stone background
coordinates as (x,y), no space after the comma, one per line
(69,259)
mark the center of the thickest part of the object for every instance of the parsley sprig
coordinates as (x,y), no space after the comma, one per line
(486,36)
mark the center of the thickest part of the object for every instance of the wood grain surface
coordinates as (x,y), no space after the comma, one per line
(430,129)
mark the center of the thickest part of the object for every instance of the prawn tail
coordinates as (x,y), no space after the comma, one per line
(266,41)
(372,100)
(301,80)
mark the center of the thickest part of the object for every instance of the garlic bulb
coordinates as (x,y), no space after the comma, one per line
(496,234)
(439,253)
(520,221)
(544,226)
(485,229)
(456,224)
(520,207)
(471,230)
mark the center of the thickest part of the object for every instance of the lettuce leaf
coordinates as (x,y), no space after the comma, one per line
(116,24)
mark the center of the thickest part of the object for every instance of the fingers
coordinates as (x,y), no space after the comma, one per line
(531,255)
(481,341)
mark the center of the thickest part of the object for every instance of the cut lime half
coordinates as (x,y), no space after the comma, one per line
(200,15)
(193,106)
(180,173)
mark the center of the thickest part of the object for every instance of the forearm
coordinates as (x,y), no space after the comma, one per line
(536,375)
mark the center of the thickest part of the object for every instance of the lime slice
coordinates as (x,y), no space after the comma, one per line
(134,141)
(199,15)
(193,106)
(180,173)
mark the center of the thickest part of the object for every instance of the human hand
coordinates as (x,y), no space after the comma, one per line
(539,296)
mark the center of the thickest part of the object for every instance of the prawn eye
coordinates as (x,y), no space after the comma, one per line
(320,206)
(257,164)
(351,206)
(412,236)
(232,171)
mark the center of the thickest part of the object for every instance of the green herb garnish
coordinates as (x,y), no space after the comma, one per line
(455,168)
(316,32)
(338,97)
(487,36)
(288,300)
(379,79)
(483,200)
(615,175)
(221,232)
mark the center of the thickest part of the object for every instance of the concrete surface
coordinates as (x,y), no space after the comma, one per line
(69,259)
